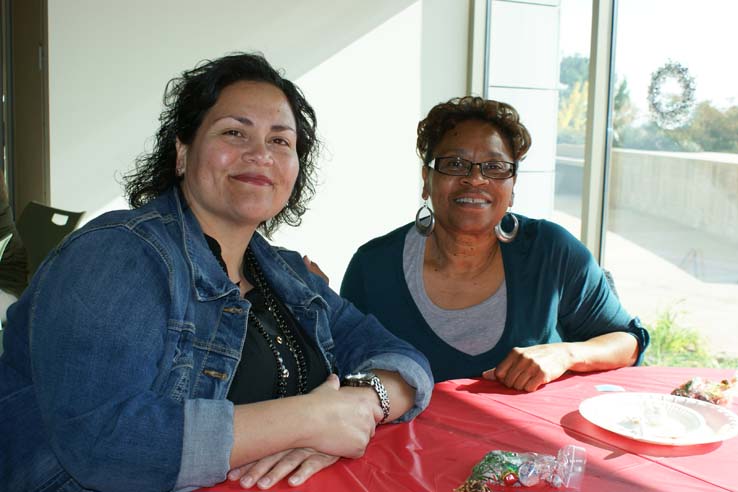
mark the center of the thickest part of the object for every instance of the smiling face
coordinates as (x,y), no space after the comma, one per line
(241,166)
(470,204)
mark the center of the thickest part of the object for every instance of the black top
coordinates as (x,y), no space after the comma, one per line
(256,375)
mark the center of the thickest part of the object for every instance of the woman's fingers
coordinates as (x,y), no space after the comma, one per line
(314,268)
(237,473)
(254,472)
(310,467)
(527,368)
(489,374)
(280,468)
(305,462)
(346,422)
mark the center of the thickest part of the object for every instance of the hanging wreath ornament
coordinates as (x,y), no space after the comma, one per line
(671,110)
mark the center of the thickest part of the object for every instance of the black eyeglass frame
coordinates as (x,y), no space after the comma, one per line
(514,170)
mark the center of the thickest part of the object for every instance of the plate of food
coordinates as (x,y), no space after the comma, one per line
(660,419)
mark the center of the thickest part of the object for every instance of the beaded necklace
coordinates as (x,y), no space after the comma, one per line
(286,336)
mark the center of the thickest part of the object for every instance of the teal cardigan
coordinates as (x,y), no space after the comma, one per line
(555,292)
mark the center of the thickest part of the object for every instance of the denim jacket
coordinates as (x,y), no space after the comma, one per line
(119,355)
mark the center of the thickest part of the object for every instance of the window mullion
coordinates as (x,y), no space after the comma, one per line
(598,135)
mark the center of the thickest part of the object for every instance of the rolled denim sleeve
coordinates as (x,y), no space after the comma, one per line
(359,341)
(207,443)
(363,343)
(413,374)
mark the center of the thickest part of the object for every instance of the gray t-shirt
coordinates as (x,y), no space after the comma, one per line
(473,330)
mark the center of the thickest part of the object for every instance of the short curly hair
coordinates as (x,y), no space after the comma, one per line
(188,98)
(445,116)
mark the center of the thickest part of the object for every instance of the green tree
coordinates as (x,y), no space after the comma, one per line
(647,137)
(624,113)
(710,130)
(572,117)
(573,69)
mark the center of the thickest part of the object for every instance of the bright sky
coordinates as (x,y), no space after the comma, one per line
(701,36)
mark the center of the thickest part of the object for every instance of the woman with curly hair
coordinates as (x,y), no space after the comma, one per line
(170,346)
(482,291)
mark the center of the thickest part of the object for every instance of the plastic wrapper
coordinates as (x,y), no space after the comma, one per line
(717,392)
(511,469)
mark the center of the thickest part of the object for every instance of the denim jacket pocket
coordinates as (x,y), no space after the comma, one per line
(181,360)
(315,325)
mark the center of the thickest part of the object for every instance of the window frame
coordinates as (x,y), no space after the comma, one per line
(598,140)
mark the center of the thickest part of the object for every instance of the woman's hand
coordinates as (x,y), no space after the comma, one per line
(528,368)
(326,420)
(264,473)
(346,420)
(314,268)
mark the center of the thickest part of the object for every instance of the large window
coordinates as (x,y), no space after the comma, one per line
(644,159)
(672,203)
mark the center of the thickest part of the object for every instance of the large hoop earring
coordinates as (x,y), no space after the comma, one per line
(425,225)
(507,237)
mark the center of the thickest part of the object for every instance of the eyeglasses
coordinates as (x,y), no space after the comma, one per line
(457,166)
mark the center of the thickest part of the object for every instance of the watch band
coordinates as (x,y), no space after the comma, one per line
(376,383)
(371,379)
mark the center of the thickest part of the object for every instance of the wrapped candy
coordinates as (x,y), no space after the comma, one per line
(719,393)
(511,469)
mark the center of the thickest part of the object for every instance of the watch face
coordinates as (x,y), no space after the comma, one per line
(359,377)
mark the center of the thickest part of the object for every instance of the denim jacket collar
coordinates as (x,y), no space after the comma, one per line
(209,279)
(280,275)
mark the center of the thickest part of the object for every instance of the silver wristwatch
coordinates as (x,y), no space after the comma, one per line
(370,379)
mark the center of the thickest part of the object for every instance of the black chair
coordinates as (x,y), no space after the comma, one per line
(4,243)
(41,228)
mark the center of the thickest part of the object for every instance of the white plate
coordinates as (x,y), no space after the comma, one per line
(660,419)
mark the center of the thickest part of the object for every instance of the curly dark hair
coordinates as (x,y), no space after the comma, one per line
(444,116)
(186,101)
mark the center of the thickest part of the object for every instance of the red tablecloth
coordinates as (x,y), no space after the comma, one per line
(468,418)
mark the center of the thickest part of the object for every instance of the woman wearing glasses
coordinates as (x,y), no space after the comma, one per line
(482,291)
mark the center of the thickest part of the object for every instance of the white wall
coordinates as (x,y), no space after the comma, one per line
(370,69)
